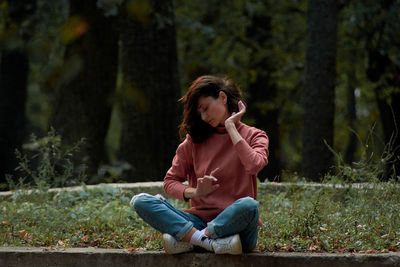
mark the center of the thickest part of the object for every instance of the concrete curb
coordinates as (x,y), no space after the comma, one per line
(90,257)
(156,187)
(149,187)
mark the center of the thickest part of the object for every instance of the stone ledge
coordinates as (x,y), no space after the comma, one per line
(150,187)
(91,257)
(156,187)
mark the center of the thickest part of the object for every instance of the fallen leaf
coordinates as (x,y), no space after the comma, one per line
(287,248)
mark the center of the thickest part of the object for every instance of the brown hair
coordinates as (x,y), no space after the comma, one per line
(205,86)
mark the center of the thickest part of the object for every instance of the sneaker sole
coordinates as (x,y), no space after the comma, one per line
(170,250)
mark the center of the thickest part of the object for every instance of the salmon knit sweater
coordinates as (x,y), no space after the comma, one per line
(238,167)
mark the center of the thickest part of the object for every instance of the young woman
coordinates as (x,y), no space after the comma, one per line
(220,157)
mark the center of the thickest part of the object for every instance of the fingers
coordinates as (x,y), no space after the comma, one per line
(206,178)
(210,178)
(214,171)
(205,185)
(242,106)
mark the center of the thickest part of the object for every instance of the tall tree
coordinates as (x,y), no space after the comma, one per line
(150,111)
(14,70)
(263,91)
(82,104)
(319,90)
(352,116)
(381,46)
(388,98)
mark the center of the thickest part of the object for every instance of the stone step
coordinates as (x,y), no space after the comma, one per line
(97,257)
(156,187)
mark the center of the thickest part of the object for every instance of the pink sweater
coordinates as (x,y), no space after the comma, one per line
(238,166)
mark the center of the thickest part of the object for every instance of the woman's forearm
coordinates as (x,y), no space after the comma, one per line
(233,133)
(189,192)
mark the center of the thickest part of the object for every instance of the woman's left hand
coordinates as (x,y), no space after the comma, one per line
(235,117)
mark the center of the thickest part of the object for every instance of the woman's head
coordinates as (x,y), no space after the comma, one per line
(207,103)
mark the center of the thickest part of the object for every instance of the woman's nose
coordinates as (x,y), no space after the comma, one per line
(203,116)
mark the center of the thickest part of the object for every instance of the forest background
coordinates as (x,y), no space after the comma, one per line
(322,78)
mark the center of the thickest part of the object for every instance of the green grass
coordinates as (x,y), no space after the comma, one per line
(101,218)
(300,218)
(331,220)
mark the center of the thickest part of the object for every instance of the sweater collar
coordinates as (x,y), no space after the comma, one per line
(222,129)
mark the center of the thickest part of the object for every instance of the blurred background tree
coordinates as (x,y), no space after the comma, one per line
(319,88)
(149,107)
(17,21)
(81,103)
(112,70)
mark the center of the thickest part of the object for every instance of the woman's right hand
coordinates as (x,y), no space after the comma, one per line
(206,184)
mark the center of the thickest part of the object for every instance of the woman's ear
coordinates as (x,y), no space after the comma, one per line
(223,97)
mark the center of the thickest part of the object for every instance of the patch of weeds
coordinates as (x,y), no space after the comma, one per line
(100,218)
(46,163)
(332,220)
(369,168)
(338,217)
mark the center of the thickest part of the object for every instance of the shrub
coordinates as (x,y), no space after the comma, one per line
(46,164)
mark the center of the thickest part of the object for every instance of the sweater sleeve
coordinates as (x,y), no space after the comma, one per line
(253,154)
(179,170)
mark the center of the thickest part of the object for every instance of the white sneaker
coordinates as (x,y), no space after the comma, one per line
(228,245)
(173,246)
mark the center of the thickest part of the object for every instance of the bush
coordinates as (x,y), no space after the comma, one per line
(46,164)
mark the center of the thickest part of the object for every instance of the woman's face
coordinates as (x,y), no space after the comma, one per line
(213,111)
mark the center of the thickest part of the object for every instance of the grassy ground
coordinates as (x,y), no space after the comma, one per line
(300,218)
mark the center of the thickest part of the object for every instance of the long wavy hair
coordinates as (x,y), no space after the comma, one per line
(207,85)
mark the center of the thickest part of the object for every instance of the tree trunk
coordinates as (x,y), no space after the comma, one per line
(390,118)
(352,116)
(263,106)
(82,105)
(14,70)
(383,69)
(150,112)
(319,91)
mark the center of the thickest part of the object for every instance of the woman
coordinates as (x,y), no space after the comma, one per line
(220,157)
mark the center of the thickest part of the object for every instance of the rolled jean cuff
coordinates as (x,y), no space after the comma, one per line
(211,230)
(184,231)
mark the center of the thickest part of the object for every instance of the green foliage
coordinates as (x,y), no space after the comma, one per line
(100,217)
(303,218)
(332,219)
(212,38)
(49,164)
(370,168)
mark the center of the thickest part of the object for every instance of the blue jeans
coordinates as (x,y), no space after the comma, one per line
(239,218)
